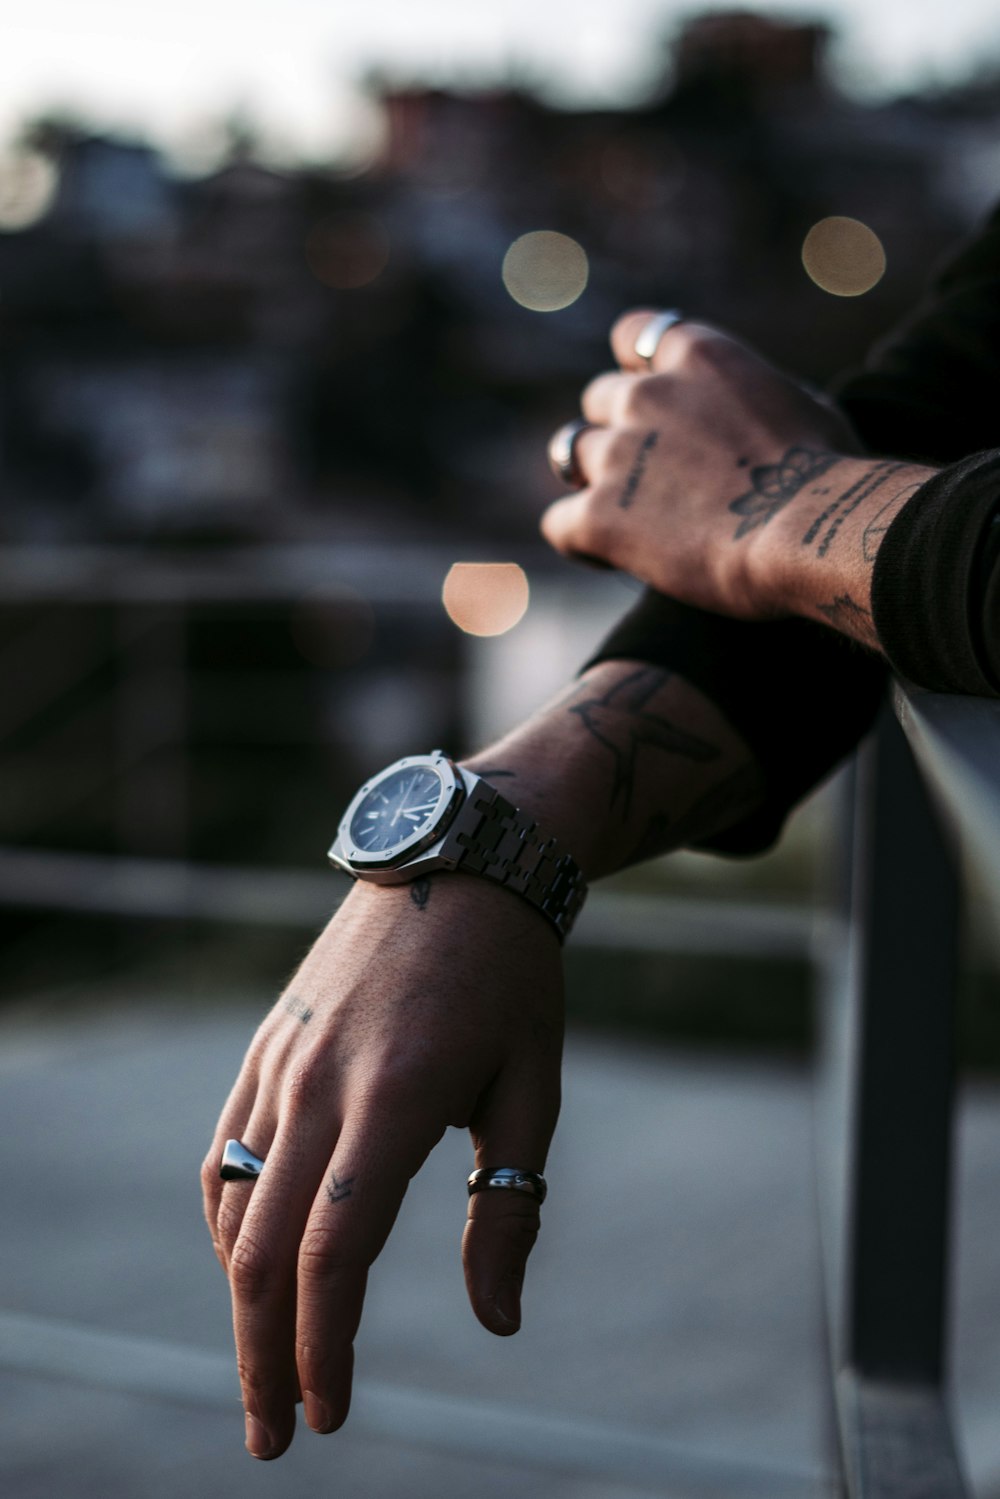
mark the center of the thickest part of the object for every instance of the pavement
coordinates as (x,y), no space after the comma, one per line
(672,1343)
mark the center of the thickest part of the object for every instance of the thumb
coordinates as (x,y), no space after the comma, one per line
(514,1131)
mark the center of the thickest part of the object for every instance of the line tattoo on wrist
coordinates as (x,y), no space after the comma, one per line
(845,505)
(619,720)
(635,473)
(775,485)
(880,522)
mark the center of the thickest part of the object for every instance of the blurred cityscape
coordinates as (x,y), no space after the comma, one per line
(248,419)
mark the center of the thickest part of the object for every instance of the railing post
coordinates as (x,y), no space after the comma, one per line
(890,1344)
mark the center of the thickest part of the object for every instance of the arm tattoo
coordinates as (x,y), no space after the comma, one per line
(847,615)
(618,720)
(298,1008)
(420,892)
(775,485)
(730,799)
(337,1189)
(881,521)
(845,504)
(637,470)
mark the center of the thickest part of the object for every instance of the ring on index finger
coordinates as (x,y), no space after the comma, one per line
(649,338)
(563,456)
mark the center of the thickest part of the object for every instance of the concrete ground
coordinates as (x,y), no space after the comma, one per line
(672,1342)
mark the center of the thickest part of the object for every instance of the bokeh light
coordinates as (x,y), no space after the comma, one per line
(545,271)
(485,598)
(843,256)
(347,250)
(28,183)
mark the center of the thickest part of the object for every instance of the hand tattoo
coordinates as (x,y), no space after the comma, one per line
(637,470)
(298,1008)
(618,721)
(776,484)
(420,892)
(337,1189)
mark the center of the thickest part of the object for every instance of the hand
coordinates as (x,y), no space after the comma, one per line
(685,467)
(420,1006)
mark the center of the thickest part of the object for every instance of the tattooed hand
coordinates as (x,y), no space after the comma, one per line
(406,1017)
(722,482)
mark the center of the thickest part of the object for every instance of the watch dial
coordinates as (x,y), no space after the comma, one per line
(401,805)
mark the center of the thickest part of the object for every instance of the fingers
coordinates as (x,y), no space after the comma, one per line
(268,1220)
(673,347)
(348,1224)
(513,1128)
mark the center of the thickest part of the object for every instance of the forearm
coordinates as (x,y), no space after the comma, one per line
(631,761)
(817,557)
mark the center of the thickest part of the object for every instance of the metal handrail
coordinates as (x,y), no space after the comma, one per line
(927,799)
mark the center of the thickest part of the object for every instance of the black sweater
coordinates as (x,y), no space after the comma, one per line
(802,696)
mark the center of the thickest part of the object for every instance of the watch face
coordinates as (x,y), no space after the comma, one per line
(396,809)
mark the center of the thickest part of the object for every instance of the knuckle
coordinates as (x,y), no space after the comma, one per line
(305,1084)
(322,1258)
(251,1269)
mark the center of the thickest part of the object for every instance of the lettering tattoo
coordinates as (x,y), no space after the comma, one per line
(298,1008)
(850,618)
(637,470)
(621,723)
(420,892)
(337,1188)
(775,485)
(845,505)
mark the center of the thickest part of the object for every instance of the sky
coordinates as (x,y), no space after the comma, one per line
(172,72)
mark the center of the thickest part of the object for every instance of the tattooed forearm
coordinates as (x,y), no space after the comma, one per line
(637,470)
(850,618)
(619,721)
(775,485)
(337,1188)
(420,892)
(298,1008)
(733,797)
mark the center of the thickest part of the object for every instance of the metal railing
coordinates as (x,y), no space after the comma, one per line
(927,795)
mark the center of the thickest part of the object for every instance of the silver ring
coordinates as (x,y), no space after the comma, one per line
(648,341)
(239,1164)
(508,1179)
(562,454)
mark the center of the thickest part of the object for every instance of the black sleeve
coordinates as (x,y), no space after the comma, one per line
(802,696)
(936,585)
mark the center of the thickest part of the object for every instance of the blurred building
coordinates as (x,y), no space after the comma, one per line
(304,359)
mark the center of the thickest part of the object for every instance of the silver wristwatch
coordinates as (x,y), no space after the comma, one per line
(427,813)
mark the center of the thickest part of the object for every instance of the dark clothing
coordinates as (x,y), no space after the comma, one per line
(802,696)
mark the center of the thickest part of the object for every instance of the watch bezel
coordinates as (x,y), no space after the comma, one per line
(452,794)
